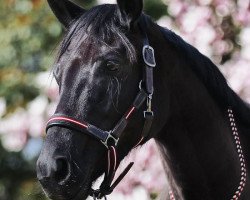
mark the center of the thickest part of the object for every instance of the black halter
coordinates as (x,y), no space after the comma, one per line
(111,138)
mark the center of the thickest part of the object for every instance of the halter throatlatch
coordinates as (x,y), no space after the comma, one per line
(110,139)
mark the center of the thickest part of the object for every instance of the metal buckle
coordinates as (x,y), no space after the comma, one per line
(148,55)
(148,114)
(140,85)
(110,136)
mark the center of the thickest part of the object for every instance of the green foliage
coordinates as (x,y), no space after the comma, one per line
(28,34)
(17,177)
(153,196)
(155,8)
(86,4)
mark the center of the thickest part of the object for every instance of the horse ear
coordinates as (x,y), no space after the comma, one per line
(130,9)
(65,11)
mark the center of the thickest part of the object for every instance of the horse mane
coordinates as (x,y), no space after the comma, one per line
(210,75)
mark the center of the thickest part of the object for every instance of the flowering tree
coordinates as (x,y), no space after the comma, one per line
(29,33)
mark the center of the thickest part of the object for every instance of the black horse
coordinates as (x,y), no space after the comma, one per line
(105,70)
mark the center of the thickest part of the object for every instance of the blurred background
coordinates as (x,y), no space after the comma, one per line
(29,36)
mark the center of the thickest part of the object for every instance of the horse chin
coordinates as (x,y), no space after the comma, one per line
(83,193)
(86,188)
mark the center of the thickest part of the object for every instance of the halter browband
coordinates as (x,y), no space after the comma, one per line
(111,138)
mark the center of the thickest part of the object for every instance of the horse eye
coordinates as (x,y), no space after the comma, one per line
(112,66)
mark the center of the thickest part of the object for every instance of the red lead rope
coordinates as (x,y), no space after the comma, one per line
(130,112)
(112,160)
(107,184)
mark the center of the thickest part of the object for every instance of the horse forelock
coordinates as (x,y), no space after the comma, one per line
(101,25)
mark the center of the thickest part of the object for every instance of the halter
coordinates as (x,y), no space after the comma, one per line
(110,138)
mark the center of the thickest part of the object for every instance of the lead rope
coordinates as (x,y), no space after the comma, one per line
(243,171)
(107,186)
(243,178)
(171,195)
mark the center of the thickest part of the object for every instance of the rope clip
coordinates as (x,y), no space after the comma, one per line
(149,113)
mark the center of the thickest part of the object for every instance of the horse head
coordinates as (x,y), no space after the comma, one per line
(99,71)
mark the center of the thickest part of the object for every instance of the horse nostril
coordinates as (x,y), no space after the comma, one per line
(62,169)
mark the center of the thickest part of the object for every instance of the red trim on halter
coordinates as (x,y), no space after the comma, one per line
(115,157)
(130,112)
(171,195)
(69,120)
(112,157)
(139,142)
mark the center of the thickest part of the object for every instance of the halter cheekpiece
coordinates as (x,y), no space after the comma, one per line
(110,139)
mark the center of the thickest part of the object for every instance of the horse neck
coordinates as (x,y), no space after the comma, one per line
(196,141)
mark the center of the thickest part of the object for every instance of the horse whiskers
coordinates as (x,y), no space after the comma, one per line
(118,90)
(74,162)
(80,170)
(110,90)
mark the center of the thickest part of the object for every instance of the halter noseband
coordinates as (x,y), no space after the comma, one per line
(111,138)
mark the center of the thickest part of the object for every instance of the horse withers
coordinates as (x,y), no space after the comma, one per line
(124,80)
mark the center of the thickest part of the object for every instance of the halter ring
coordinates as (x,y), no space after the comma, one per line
(106,142)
